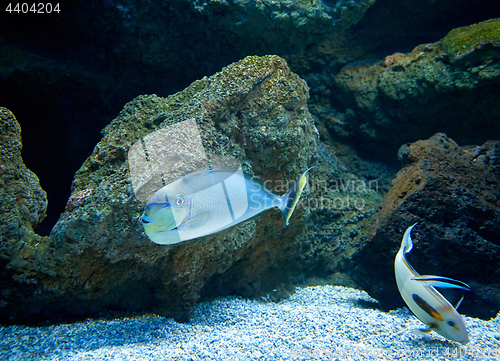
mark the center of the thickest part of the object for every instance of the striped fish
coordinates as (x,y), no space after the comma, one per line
(425,301)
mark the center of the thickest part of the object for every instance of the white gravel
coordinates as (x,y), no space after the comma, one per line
(316,323)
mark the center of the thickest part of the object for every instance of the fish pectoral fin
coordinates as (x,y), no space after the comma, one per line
(457,305)
(194,222)
(425,331)
(421,331)
(442,282)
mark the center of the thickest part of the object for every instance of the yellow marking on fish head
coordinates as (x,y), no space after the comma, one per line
(166,210)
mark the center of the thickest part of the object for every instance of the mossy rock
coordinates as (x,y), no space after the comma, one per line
(462,41)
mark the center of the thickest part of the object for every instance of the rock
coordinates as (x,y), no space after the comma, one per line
(448,86)
(23,206)
(97,256)
(214,28)
(473,45)
(453,193)
(22,196)
(340,211)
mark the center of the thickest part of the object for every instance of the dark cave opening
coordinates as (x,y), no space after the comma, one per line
(53,146)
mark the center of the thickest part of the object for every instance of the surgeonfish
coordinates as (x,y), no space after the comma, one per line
(210,200)
(426,303)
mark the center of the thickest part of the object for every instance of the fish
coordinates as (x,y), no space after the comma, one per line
(210,200)
(426,303)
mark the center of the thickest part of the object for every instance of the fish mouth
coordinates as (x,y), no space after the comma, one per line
(145,220)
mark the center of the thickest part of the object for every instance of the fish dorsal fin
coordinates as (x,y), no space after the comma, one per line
(441,282)
(445,283)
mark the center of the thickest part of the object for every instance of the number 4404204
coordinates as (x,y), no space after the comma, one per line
(36,8)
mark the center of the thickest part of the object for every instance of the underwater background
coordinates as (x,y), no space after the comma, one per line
(396,102)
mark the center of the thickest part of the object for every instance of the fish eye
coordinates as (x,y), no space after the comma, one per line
(451,323)
(179,201)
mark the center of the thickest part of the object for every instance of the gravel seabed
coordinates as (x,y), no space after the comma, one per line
(315,323)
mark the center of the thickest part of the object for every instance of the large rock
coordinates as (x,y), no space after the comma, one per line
(453,193)
(446,86)
(23,206)
(97,256)
(22,196)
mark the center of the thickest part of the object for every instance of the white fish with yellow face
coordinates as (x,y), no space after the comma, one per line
(210,200)
(425,301)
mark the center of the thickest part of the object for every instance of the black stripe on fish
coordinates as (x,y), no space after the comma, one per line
(431,311)
(228,201)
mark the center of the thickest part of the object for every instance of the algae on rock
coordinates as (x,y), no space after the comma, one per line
(445,86)
(464,40)
(23,206)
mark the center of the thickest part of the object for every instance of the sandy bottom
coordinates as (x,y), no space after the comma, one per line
(316,323)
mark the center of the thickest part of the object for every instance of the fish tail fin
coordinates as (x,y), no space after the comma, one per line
(290,199)
(407,243)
